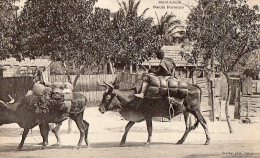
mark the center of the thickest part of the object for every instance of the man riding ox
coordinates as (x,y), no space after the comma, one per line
(163,83)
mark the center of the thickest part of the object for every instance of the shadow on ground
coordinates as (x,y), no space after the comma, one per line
(17,132)
(35,147)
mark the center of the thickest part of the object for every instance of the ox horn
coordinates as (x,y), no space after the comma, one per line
(103,85)
(12,99)
(109,85)
(2,102)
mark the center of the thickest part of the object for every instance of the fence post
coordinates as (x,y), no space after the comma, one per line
(247,108)
(69,125)
(237,101)
(212,100)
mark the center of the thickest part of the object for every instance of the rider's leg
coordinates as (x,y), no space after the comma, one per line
(144,88)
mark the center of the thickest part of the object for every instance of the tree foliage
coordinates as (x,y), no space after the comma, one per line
(63,30)
(75,31)
(227,31)
(7,27)
(133,35)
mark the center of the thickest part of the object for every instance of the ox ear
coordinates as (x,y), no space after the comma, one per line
(2,102)
(12,99)
(102,85)
(109,85)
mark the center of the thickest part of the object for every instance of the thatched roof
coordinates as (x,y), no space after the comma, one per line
(27,67)
(26,63)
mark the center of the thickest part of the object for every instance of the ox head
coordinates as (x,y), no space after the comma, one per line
(5,104)
(109,100)
(8,112)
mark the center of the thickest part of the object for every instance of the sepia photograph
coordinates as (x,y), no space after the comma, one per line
(130,78)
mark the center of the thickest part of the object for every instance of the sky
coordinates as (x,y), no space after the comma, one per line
(160,7)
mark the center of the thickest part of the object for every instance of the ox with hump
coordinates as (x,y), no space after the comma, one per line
(134,109)
(19,113)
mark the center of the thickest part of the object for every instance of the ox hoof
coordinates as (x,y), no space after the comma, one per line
(147,144)
(207,142)
(56,144)
(76,147)
(42,143)
(122,144)
(180,142)
(19,148)
(87,142)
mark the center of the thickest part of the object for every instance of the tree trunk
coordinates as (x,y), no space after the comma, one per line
(227,104)
(131,68)
(210,99)
(111,68)
(69,78)
(76,79)
(81,71)
(210,73)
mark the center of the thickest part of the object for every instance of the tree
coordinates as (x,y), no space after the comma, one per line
(133,36)
(63,30)
(168,28)
(226,32)
(7,27)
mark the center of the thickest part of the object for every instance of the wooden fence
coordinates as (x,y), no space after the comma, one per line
(248,104)
(85,83)
(250,107)
(250,86)
(17,87)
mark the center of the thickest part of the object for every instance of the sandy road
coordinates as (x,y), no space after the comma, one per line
(106,131)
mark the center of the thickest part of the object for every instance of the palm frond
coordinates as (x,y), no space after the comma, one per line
(121,7)
(171,32)
(125,8)
(144,12)
(158,20)
(169,17)
(136,6)
(175,22)
(131,4)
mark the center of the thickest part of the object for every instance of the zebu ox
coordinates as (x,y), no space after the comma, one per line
(27,119)
(135,109)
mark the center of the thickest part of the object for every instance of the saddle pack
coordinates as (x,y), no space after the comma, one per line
(57,93)
(166,86)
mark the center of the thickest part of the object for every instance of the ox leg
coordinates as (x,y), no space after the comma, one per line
(80,124)
(44,130)
(187,130)
(127,128)
(86,131)
(149,126)
(204,125)
(25,132)
(57,135)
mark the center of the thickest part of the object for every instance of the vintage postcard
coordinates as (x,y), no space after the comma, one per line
(130,78)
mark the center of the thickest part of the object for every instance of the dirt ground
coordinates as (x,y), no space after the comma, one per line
(106,131)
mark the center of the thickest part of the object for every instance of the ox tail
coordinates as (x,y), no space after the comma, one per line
(199,112)
(200,91)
